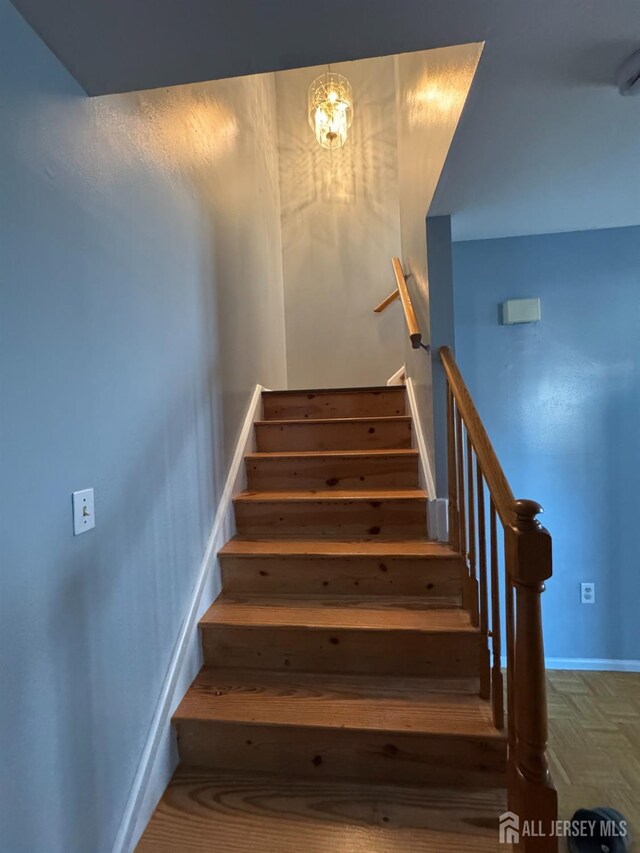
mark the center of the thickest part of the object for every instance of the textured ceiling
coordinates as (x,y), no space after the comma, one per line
(545,143)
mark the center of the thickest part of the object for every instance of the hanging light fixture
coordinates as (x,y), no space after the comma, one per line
(330,109)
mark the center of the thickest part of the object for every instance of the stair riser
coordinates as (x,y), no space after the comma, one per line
(358,755)
(432,578)
(361,472)
(354,404)
(451,653)
(341,519)
(349,435)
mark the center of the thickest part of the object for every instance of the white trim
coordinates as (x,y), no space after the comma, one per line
(419,440)
(159,756)
(588,664)
(594,664)
(398,377)
(437,514)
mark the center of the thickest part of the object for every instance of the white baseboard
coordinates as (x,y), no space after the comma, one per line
(437,510)
(588,664)
(417,433)
(594,664)
(398,377)
(159,757)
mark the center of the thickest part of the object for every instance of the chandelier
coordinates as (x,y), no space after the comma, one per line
(330,109)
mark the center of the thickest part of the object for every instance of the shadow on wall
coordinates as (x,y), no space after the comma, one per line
(132,336)
(340,228)
(363,171)
(171,477)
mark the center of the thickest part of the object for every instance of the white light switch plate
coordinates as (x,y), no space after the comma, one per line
(83,515)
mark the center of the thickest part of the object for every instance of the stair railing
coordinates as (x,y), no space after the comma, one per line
(402,292)
(513,566)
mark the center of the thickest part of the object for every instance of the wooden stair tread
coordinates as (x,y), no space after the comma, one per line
(296,432)
(389,452)
(366,389)
(345,685)
(240,812)
(305,422)
(332,495)
(378,602)
(372,613)
(334,403)
(279,467)
(356,702)
(409,548)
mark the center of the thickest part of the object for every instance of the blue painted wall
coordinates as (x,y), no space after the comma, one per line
(442,329)
(138,234)
(561,401)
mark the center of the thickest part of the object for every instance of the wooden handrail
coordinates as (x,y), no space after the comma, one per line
(409,312)
(491,468)
(407,305)
(517,579)
(386,302)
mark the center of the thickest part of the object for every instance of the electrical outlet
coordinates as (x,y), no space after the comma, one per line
(588,593)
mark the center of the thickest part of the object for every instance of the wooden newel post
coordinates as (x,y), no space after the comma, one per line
(531,793)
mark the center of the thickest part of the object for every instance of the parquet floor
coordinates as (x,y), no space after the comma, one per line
(594,740)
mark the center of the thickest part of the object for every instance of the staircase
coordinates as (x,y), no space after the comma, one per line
(339,704)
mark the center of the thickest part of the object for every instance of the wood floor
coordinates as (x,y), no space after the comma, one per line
(595,760)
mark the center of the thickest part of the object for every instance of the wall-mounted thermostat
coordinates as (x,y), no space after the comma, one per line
(520,311)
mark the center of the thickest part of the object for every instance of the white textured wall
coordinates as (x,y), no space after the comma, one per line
(340,228)
(432,88)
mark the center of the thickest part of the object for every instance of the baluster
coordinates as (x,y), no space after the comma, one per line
(462,540)
(485,663)
(471,527)
(510,653)
(454,524)
(528,552)
(527,557)
(497,689)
